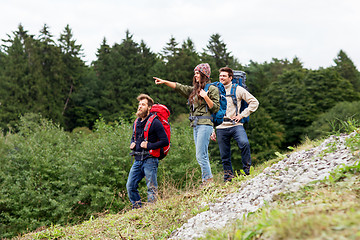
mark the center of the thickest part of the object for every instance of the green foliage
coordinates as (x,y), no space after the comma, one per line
(343,117)
(218,56)
(37,77)
(265,135)
(324,209)
(299,97)
(346,68)
(260,76)
(178,166)
(40,75)
(177,65)
(49,176)
(123,73)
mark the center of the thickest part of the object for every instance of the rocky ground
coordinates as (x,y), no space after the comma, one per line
(289,174)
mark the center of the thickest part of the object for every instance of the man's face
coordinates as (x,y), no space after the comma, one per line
(224,78)
(143,109)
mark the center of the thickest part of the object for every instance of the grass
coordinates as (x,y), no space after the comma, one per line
(329,209)
(321,210)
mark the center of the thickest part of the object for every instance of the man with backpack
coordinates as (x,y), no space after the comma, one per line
(232,127)
(147,138)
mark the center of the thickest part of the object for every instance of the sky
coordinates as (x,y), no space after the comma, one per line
(253,30)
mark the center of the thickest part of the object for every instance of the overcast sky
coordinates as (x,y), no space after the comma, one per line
(258,30)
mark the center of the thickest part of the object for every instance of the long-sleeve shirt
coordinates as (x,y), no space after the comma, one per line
(200,108)
(157,137)
(241,94)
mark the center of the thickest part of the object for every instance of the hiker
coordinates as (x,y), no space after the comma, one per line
(145,165)
(232,127)
(202,104)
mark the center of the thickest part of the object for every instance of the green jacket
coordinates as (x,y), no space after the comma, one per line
(201,109)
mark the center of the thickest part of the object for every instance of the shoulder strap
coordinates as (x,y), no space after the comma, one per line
(134,131)
(147,126)
(233,96)
(206,88)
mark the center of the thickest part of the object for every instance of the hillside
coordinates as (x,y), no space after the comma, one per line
(276,198)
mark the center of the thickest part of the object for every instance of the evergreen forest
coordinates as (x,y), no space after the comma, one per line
(65,125)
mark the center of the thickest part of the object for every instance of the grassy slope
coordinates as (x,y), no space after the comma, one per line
(326,210)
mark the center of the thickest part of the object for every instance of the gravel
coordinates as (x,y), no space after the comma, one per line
(288,175)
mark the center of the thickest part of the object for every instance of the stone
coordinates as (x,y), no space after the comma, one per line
(289,174)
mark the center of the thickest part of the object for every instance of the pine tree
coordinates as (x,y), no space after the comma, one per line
(124,77)
(347,69)
(171,50)
(299,97)
(72,54)
(178,67)
(260,76)
(216,53)
(15,98)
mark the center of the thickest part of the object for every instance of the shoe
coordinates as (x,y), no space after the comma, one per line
(228,178)
(208,182)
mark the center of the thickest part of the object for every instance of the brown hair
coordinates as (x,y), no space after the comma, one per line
(228,70)
(198,86)
(142,96)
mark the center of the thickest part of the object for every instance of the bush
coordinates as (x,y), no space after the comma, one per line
(341,118)
(50,176)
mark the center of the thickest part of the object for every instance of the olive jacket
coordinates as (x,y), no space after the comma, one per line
(200,108)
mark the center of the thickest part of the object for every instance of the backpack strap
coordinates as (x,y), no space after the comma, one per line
(146,134)
(206,88)
(147,126)
(134,131)
(233,96)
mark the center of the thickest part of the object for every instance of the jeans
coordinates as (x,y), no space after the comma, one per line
(140,169)
(224,136)
(202,135)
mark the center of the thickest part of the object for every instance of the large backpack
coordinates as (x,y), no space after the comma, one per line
(162,113)
(218,117)
(239,79)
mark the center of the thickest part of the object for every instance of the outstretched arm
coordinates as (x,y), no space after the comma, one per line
(166,82)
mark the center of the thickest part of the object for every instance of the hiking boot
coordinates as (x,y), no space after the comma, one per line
(207,183)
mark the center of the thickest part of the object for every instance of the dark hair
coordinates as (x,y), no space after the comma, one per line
(228,70)
(142,96)
(198,86)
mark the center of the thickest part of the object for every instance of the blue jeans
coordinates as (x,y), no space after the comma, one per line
(202,135)
(224,136)
(140,169)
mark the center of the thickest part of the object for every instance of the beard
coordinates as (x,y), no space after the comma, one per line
(142,113)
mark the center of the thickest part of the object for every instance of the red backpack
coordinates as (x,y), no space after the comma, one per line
(163,113)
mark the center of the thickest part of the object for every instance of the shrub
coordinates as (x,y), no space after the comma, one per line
(50,176)
(343,117)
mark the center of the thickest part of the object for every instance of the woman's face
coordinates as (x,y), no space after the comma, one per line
(197,76)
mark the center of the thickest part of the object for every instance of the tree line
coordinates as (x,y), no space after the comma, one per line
(64,123)
(41,75)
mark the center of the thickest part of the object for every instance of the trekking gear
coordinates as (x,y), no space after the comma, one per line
(239,78)
(218,117)
(162,113)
